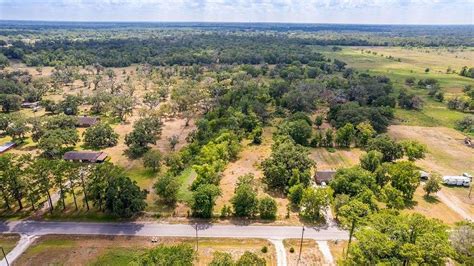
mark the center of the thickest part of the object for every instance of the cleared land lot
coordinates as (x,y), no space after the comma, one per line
(97,250)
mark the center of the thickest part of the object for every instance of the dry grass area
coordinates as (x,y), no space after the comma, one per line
(326,160)
(447,153)
(249,162)
(121,250)
(8,242)
(337,249)
(460,197)
(436,59)
(310,255)
(432,207)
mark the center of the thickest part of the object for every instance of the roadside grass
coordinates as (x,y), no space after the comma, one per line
(338,249)
(118,256)
(8,242)
(122,250)
(310,255)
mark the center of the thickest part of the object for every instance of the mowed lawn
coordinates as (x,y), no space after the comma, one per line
(122,250)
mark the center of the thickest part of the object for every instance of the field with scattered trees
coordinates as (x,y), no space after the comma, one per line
(230,124)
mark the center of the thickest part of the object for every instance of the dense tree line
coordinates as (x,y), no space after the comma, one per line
(30,181)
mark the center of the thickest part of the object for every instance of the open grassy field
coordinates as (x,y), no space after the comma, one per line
(446,154)
(310,255)
(333,160)
(106,250)
(413,62)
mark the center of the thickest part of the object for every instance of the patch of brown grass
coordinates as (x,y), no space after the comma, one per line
(310,254)
(432,207)
(338,249)
(82,250)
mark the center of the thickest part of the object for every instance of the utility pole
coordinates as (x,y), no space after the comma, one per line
(197,238)
(301,245)
(5,256)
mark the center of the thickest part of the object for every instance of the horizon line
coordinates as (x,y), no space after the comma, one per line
(232,22)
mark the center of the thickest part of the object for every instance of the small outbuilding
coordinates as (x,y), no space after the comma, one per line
(323,177)
(86,121)
(85,156)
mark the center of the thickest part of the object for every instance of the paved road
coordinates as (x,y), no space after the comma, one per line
(179,230)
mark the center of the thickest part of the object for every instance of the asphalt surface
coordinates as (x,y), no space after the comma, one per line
(39,228)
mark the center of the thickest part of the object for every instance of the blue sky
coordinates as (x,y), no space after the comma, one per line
(307,11)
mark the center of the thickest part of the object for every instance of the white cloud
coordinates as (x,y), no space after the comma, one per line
(331,11)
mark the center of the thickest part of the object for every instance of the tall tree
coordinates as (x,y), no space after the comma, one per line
(245,200)
(314,201)
(351,214)
(204,199)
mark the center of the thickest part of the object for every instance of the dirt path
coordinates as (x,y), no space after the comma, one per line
(455,204)
(324,248)
(280,252)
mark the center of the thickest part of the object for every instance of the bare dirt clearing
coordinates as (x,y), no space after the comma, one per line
(249,162)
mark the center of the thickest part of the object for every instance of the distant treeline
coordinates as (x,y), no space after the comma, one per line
(122,45)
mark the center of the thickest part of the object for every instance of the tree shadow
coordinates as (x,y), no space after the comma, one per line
(431,199)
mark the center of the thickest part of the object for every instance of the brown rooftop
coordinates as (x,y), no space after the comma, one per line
(324,176)
(86,121)
(85,156)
